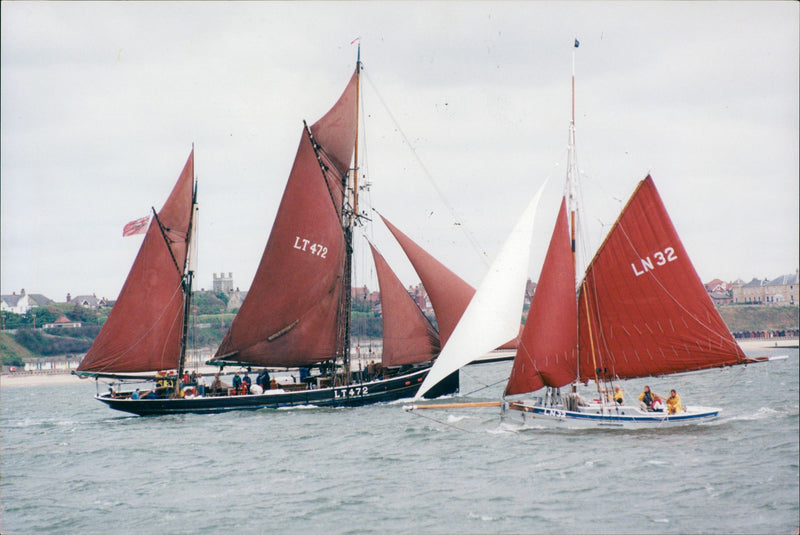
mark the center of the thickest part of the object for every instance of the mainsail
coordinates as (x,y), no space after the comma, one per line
(144,329)
(643,309)
(408,336)
(291,314)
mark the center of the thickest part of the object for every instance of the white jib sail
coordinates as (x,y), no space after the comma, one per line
(492,317)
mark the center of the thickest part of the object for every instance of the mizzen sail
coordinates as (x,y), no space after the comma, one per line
(143,331)
(291,314)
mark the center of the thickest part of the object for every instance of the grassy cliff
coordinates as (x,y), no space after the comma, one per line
(760,318)
(12,352)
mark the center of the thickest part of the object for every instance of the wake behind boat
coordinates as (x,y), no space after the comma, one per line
(297,312)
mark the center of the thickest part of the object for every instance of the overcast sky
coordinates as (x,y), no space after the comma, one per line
(467,110)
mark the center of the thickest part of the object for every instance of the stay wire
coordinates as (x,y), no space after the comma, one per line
(459,222)
(485,386)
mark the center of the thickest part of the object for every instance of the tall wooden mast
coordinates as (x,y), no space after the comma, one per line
(572,169)
(572,195)
(355,153)
(349,215)
(187,279)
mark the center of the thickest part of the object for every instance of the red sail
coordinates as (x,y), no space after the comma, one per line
(291,313)
(143,330)
(408,336)
(448,292)
(547,350)
(643,310)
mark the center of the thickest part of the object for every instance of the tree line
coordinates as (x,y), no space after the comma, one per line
(209,322)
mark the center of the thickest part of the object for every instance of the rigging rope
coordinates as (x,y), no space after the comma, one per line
(458,221)
(485,386)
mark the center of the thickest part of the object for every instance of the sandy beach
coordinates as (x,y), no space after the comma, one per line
(36,379)
(64,377)
(21,379)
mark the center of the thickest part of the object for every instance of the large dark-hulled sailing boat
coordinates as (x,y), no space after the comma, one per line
(296,313)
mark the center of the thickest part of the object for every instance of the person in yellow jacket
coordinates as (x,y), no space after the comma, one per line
(617,395)
(674,402)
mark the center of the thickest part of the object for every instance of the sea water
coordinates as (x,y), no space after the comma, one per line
(69,464)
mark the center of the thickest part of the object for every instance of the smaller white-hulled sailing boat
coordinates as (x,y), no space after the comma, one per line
(297,311)
(640,310)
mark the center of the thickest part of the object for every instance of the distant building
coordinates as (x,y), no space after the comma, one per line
(750,293)
(21,303)
(86,301)
(721,298)
(363,294)
(530,289)
(716,285)
(782,290)
(235,300)
(16,303)
(420,297)
(720,291)
(223,283)
(62,322)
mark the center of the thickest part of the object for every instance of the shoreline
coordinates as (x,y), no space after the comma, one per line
(22,379)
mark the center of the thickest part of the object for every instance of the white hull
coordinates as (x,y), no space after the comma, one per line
(534,413)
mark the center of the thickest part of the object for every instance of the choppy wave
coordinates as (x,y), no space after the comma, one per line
(71,466)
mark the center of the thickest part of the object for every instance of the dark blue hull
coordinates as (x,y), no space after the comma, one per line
(354,395)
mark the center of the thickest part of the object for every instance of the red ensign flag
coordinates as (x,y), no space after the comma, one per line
(138,226)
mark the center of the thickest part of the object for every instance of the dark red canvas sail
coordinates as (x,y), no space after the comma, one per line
(547,349)
(643,310)
(143,330)
(291,313)
(408,336)
(448,292)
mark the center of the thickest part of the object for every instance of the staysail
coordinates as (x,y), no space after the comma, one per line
(291,314)
(143,331)
(643,309)
(449,293)
(408,336)
(493,314)
(548,347)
